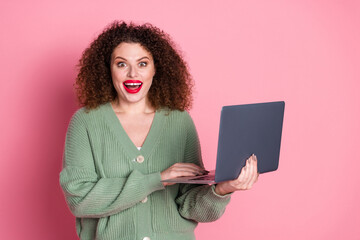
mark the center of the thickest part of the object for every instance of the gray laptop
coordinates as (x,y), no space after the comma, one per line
(245,130)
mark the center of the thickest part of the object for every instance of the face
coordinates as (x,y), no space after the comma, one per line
(132,70)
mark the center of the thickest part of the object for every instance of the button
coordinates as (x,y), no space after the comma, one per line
(146,238)
(144,200)
(140,159)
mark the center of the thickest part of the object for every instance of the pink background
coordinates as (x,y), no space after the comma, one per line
(303,52)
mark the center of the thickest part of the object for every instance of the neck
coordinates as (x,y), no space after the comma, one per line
(132,108)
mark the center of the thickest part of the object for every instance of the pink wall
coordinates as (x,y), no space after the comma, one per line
(304,52)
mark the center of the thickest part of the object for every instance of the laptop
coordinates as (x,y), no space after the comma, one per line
(245,130)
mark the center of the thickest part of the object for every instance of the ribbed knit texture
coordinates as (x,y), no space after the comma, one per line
(114,196)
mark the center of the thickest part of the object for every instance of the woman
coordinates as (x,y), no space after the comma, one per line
(132,133)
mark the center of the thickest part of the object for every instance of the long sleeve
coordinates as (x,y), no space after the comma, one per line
(198,202)
(88,194)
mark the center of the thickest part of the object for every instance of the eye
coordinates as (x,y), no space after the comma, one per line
(143,64)
(121,64)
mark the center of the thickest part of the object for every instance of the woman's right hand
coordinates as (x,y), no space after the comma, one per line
(181,170)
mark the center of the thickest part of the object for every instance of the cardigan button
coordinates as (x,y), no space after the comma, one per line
(144,200)
(140,159)
(146,238)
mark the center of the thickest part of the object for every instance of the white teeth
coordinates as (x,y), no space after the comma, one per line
(132,84)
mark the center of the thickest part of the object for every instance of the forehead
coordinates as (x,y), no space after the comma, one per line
(130,51)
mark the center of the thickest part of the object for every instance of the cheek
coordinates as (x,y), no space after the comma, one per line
(150,74)
(145,76)
(116,80)
(117,76)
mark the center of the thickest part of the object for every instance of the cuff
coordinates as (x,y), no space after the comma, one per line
(154,182)
(226,196)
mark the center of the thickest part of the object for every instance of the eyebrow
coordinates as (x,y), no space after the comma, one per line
(136,60)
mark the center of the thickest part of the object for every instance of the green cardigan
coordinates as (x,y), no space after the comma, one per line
(114,189)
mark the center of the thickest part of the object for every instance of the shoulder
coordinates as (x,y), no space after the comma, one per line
(177,119)
(178,114)
(85,116)
(181,117)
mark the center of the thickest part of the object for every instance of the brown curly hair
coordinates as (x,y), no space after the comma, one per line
(172,83)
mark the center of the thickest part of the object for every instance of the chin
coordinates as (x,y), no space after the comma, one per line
(134,99)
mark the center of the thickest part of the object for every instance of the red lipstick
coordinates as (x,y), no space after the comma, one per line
(132,86)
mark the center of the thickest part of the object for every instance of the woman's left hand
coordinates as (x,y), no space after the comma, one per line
(248,176)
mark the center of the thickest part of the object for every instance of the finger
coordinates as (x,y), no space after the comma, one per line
(192,166)
(200,169)
(256,168)
(181,170)
(241,176)
(189,165)
(254,173)
(257,177)
(170,173)
(256,164)
(240,182)
(176,174)
(187,169)
(250,169)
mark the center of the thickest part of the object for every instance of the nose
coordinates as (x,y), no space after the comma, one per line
(132,72)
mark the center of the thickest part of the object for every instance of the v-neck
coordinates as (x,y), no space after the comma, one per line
(129,147)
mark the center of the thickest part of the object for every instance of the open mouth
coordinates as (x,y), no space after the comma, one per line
(132,86)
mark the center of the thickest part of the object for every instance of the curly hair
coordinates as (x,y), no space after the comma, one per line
(172,83)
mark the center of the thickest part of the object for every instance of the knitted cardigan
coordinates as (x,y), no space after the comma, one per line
(114,190)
